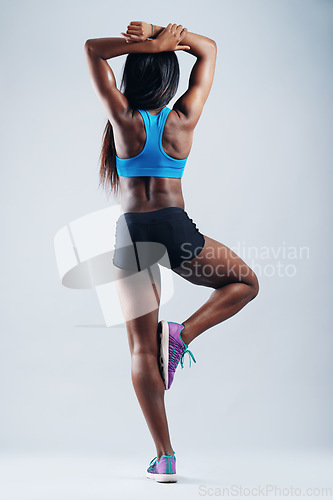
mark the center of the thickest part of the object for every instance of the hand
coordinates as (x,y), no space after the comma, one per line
(137,31)
(170,37)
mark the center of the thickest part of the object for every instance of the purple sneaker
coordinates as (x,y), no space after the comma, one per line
(163,470)
(172,350)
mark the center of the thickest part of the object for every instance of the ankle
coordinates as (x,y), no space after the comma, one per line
(165,451)
(184,335)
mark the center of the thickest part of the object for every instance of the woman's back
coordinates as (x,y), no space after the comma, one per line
(169,144)
(150,80)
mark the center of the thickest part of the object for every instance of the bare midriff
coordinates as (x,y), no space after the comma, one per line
(144,194)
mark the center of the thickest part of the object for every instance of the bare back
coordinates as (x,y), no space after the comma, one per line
(142,194)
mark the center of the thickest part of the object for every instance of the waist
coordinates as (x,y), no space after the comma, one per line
(145,194)
(152,215)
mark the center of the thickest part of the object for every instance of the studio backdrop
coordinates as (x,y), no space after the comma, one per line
(258,179)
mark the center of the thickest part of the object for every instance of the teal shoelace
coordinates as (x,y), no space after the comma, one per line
(178,354)
(187,351)
(152,462)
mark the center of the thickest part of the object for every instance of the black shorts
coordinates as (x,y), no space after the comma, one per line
(167,236)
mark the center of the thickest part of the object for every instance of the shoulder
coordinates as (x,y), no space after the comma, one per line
(179,120)
(131,119)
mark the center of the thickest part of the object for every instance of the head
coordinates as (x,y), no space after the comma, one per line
(149,81)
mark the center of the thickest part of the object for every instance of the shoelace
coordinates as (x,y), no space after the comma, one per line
(180,351)
(187,351)
(152,462)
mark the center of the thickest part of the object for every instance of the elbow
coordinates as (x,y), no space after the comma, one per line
(209,47)
(213,44)
(88,45)
(214,49)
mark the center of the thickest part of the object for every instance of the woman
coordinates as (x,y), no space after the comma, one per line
(144,155)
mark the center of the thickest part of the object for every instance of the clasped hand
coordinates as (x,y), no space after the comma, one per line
(167,40)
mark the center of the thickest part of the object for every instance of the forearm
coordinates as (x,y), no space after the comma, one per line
(106,48)
(199,44)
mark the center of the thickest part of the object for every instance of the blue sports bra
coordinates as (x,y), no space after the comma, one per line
(152,160)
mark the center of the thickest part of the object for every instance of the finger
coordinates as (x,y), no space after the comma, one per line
(183,47)
(133,29)
(126,37)
(183,33)
(134,37)
(136,22)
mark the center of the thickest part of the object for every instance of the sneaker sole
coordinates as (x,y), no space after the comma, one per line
(163,478)
(164,351)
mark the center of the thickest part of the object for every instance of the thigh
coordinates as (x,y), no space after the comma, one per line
(138,292)
(215,266)
(139,295)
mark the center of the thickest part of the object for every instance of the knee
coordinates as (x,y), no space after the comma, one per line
(254,286)
(141,346)
(144,366)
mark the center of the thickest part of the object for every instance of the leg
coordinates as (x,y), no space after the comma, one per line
(235,285)
(139,294)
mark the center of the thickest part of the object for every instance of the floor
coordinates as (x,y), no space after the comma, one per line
(228,475)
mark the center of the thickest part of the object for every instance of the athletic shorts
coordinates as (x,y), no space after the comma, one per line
(167,236)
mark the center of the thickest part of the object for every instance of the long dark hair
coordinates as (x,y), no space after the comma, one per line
(149,81)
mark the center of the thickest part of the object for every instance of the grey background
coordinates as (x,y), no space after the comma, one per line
(258,176)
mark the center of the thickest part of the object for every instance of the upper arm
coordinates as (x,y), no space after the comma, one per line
(191,103)
(116,105)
